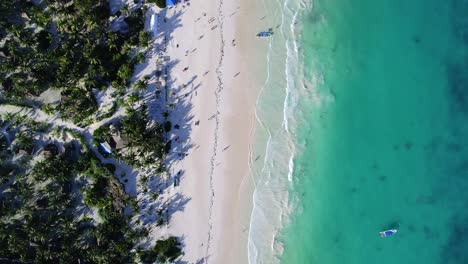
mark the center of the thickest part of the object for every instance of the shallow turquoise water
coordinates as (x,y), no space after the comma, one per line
(387,147)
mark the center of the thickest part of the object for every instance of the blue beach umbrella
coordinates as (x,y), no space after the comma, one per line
(170,2)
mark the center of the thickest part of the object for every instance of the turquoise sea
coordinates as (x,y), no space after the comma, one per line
(381,134)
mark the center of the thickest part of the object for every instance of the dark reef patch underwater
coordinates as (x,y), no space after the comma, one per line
(390,150)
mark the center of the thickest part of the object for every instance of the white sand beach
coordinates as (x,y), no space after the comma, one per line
(215,72)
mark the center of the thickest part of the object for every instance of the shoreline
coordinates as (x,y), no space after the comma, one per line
(275,141)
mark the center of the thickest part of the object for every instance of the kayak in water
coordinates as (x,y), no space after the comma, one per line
(387,233)
(265,34)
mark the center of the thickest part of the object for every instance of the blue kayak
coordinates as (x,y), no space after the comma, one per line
(387,233)
(264,34)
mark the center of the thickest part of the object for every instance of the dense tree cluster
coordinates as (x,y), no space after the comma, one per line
(77,104)
(65,45)
(43,216)
(40,220)
(145,139)
(164,251)
(48,196)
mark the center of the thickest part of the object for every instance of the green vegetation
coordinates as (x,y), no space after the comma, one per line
(144,37)
(24,141)
(110,112)
(163,252)
(141,84)
(135,128)
(159,3)
(77,104)
(65,45)
(148,140)
(42,219)
(105,193)
(102,133)
(58,202)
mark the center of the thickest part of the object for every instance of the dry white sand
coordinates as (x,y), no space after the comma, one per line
(216,41)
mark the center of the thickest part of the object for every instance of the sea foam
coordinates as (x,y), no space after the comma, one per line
(273,178)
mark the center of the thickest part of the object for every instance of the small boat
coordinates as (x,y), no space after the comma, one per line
(264,34)
(387,233)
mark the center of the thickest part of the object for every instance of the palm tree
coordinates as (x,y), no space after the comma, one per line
(141,84)
(133,98)
(9,116)
(144,38)
(24,141)
(90,25)
(125,72)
